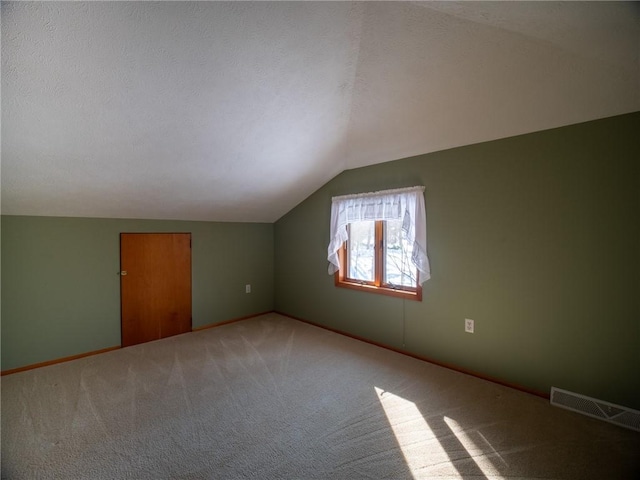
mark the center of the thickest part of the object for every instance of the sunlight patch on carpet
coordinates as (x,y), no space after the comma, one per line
(420,446)
(477,454)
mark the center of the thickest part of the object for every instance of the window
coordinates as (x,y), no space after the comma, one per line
(376,256)
(378,242)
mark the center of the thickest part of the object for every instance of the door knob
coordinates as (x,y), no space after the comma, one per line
(123,273)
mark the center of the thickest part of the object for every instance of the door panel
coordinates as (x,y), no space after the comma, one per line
(156,288)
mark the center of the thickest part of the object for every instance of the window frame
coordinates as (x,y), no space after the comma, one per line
(377,286)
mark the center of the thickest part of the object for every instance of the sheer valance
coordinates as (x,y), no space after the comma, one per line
(406,204)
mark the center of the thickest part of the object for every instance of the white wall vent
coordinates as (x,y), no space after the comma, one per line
(609,412)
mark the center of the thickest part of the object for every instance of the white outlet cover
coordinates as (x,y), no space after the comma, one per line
(469,325)
(247,288)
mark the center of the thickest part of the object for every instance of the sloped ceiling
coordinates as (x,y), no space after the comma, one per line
(237,111)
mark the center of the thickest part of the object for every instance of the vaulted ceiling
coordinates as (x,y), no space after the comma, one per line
(237,111)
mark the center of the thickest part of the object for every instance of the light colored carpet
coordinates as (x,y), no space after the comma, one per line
(272,397)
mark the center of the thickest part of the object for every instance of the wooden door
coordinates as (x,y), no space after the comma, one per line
(155,286)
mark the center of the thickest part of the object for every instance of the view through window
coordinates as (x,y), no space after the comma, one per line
(378,255)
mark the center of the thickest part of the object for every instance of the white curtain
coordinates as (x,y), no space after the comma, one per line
(403,203)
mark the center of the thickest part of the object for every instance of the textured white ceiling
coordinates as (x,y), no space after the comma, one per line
(237,111)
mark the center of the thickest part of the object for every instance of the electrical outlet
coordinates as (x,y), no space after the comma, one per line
(469,325)
(247,288)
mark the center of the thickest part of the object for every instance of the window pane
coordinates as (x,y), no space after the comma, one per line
(397,257)
(361,245)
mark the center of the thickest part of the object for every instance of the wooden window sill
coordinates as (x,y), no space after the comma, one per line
(391,292)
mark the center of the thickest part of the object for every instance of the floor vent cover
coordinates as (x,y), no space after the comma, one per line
(609,412)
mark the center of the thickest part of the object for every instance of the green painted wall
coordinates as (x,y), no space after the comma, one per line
(534,237)
(61,291)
